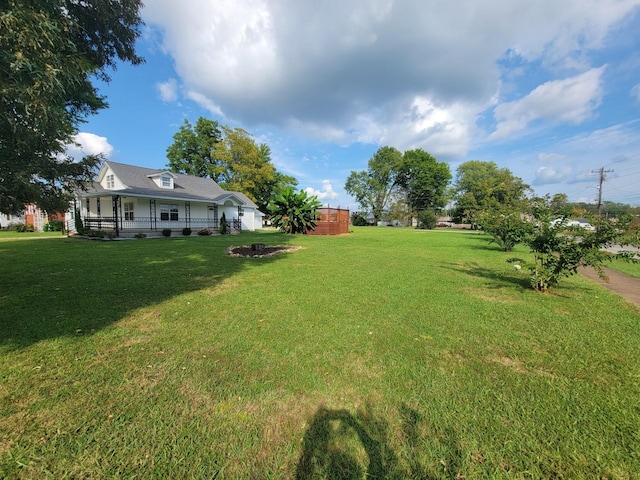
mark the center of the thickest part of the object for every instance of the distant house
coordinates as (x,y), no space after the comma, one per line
(129,199)
(31,215)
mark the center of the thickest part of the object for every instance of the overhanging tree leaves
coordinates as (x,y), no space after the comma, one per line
(50,50)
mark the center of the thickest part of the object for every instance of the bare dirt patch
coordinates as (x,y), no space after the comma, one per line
(267,251)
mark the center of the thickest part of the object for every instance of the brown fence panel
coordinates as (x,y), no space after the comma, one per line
(332,221)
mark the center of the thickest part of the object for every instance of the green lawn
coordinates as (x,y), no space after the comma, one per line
(632,269)
(396,353)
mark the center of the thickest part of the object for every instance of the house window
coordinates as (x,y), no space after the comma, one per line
(166,182)
(111,183)
(88,206)
(128,211)
(168,212)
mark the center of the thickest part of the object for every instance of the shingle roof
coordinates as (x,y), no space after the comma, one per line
(186,187)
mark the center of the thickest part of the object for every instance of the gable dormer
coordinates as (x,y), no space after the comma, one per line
(165,179)
(108,179)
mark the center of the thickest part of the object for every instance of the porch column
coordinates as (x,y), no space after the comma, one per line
(115,200)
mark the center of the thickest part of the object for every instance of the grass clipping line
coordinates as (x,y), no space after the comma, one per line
(246,251)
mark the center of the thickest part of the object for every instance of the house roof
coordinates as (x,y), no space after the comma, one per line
(139,182)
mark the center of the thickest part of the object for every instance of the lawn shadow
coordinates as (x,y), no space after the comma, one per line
(328,450)
(73,287)
(498,279)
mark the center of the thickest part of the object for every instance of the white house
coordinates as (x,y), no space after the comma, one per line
(129,200)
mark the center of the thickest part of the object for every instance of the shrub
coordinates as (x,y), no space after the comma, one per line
(204,231)
(427,219)
(140,235)
(186,231)
(358,219)
(224,228)
(54,226)
(22,227)
(94,233)
(166,232)
(78,221)
(293,212)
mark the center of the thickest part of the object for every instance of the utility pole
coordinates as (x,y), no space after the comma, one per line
(602,172)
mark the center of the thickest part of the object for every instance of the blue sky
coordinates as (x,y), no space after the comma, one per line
(548,89)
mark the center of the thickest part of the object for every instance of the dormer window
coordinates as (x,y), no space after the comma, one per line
(111,183)
(166,182)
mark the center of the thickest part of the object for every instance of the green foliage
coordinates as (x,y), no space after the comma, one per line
(358,219)
(482,185)
(77,217)
(186,231)
(507,226)
(22,227)
(54,226)
(224,226)
(424,180)
(192,150)
(166,232)
(559,249)
(427,220)
(140,235)
(229,156)
(50,53)
(374,188)
(294,212)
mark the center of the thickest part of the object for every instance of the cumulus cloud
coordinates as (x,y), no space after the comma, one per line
(86,143)
(570,100)
(327,192)
(168,90)
(547,175)
(412,72)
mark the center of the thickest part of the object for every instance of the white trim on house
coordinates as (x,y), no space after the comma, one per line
(130,199)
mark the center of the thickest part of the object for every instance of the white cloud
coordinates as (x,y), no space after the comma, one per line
(86,143)
(326,193)
(168,90)
(546,175)
(570,100)
(408,73)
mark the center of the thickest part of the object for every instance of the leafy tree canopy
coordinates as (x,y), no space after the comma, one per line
(425,180)
(50,50)
(375,187)
(481,185)
(415,179)
(230,157)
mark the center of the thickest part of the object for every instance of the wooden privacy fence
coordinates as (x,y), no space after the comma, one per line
(332,221)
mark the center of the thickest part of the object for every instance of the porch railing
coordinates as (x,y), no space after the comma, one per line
(149,223)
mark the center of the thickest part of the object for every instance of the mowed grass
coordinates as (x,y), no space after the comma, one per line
(392,353)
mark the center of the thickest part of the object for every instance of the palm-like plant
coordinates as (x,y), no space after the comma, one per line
(294,212)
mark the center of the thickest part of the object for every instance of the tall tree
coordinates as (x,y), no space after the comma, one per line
(425,181)
(50,51)
(481,185)
(374,188)
(192,150)
(229,156)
